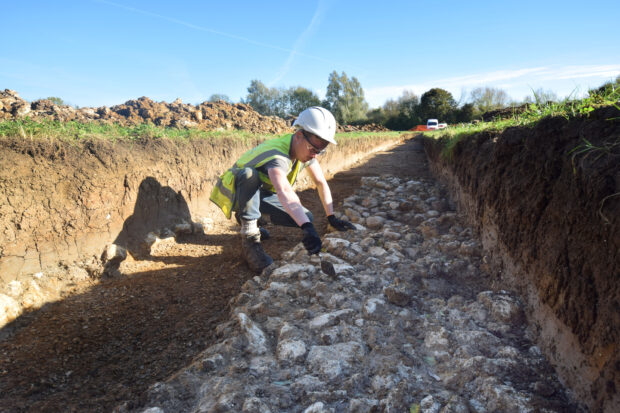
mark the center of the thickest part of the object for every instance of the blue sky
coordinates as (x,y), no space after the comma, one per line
(99,52)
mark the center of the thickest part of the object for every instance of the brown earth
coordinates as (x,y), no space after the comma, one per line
(218,115)
(207,115)
(549,218)
(503,113)
(63,202)
(93,350)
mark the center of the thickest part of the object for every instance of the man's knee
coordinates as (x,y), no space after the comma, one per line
(248,176)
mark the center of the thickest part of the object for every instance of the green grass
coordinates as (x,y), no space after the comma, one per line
(76,131)
(534,113)
(586,148)
(357,135)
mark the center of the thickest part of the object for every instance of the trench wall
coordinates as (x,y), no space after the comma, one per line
(61,203)
(549,220)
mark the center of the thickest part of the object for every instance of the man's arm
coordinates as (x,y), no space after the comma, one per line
(316,173)
(287,196)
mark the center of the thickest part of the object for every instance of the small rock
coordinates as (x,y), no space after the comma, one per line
(397,294)
(375,222)
(353,215)
(317,407)
(183,228)
(114,254)
(9,309)
(14,289)
(254,405)
(291,350)
(257,342)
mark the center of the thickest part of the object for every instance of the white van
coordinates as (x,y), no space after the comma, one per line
(432,124)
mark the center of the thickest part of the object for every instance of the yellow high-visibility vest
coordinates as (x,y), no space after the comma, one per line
(223,193)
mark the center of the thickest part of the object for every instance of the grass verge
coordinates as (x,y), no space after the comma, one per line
(534,113)
(75,131)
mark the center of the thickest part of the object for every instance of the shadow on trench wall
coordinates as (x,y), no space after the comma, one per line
(157,208)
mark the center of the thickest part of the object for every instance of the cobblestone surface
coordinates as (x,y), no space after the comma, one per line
(406,324)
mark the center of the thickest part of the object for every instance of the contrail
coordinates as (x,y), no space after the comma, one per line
(217,32)
(318,14)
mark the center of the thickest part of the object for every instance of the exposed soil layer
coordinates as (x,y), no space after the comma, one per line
(65,201)
(550,219)
(107,344)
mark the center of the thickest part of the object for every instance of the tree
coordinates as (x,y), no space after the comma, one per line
(541,96)
(345,98)
(402,114)
(264,100)
(377,116)
(438,104)
(408,102)
(465,113)
(408,106)
(299,98)
(217,96)
(488,98)
(56,100)
(279,102)
(391,108)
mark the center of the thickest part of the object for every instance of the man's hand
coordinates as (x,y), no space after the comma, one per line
(311,239)
(339,224)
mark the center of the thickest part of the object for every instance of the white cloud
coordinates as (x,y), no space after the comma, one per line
(563,80)
(588,71)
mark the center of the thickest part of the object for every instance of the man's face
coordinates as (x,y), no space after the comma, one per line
(312,146)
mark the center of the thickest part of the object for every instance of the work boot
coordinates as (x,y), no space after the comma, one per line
(253,253)
(264,234)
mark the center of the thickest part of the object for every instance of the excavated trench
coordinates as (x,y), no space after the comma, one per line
(431,307)
(76,339)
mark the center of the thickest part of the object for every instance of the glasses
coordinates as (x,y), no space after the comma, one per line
(312,148)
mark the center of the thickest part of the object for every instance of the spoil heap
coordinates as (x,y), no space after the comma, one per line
(207,115)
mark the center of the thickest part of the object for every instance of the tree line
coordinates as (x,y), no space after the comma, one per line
(345,99)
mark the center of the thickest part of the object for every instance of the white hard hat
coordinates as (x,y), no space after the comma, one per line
(319,121)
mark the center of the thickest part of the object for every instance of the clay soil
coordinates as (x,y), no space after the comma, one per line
(107,344)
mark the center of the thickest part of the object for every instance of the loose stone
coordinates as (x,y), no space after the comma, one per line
(408,324)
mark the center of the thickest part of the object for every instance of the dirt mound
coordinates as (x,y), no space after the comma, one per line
(218,115)
(370,127)
(207,115)
(503,113)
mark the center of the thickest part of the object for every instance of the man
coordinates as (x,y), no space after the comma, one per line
(261,182)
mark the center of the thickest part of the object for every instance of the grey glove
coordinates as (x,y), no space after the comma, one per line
(340,224)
